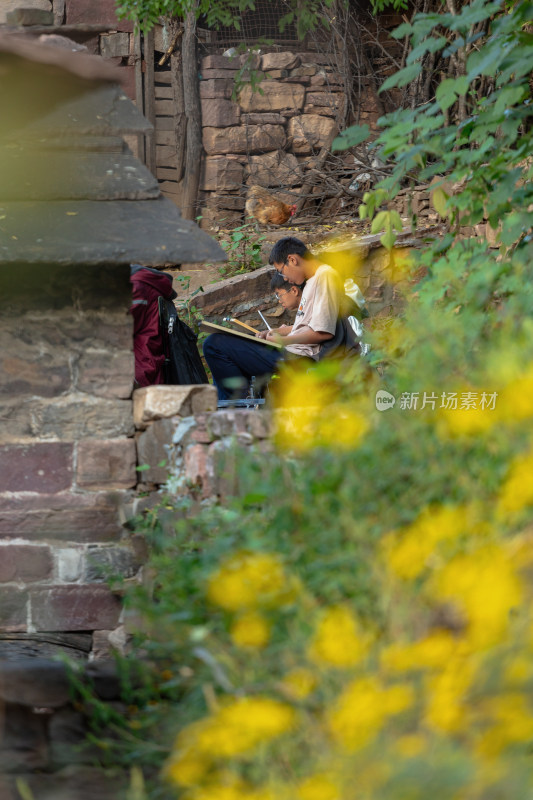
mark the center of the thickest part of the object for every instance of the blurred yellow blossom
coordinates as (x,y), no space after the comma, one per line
(250,580)
(298,683)
(515,400)
(431,652)
(362,709)
(518,670)
(517,491)
(511,723)
(322,786)
(409,551)
(236,728)
(338,640)
(250,630)
(464,421)
(485,587)
(342,427)
(308,412)
(237,790)
(410,745)
(187,769)
(446,691)
(343,253)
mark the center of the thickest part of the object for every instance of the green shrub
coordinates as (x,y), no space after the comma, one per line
(356,623)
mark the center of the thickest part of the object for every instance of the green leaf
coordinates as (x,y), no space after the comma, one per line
(446,94)
(388,239)
(380,221)
(403,77)
(438,199)
(396,220)
(351,137)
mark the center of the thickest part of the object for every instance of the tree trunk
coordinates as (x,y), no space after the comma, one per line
(191,98)
(181,119)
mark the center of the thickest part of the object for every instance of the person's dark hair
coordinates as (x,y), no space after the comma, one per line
(279,282)
(286,247)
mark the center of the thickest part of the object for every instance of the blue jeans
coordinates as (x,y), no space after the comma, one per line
(234,362)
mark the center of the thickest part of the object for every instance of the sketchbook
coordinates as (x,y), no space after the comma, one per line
(212,327)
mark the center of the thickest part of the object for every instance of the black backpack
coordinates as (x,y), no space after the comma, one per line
(183,364)
(346,341)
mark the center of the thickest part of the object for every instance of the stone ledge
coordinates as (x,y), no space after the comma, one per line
(159,402)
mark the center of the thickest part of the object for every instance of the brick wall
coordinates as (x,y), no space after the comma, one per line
(67,452)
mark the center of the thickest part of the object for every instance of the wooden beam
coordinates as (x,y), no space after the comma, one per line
(139,101)
(180,126)
(149,99)
(191,95)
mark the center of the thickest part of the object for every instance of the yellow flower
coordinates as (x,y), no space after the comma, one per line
(518,670)
(515,401)
(517,491)
(485,587)
(409,551)
(446,691)
(410,746)
(430,652)
(298,683)
(250,630)
(512,724)
(236,728)
(465,421)
(338,641)
(362,709)
(235,790)
(187,769)
(341,428)
(318,787)
(250,580)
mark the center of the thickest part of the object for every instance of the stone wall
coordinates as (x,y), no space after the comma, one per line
(268,137)
(181,432)
(43,733)
(67,452)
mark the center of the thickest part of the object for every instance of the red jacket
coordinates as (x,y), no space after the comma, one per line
(148,284)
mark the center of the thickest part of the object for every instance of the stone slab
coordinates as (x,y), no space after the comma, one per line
(274,169)
(106,464)
(13,608)
(23,562)
(115,45)
(158,402)
(146,231)
(263,119)
(8,6)
(105,373)
(279,61)
(90,517)
(220,113)
(275,96)
(74,608)
(220,62)
(251,139)
(37,467)
(219,172)
(29,16)
(95,11)
(216,87)
(309,132)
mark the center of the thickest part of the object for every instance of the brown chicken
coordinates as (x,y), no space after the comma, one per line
(265,208)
